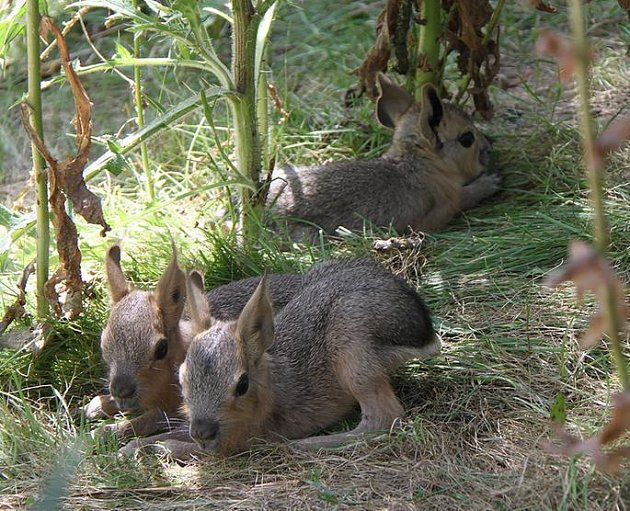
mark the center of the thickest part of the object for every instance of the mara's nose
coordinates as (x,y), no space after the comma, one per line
(203,431)
(122,387)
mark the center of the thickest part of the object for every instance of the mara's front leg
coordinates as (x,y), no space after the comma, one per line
(486,185)
(149,423)
(176,444)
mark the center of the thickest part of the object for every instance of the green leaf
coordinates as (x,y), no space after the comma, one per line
(11,26)
(219,14)
(160,123)
(17,227)
(119,8)
(190,10)
(558,410)
(159,8)
(117,165)
(114,146)
(6,216)
(122,52)
(261,37)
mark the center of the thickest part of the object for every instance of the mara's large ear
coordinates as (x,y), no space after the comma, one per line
(171,293)
(254,327)
(118,286)
(431,115)
(198,303)
(393,102)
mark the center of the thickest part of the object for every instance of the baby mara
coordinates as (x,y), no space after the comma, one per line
(291,375)
(433,170)
(146,338)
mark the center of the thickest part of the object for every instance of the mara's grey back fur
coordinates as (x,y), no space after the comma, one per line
(432,171)
(227,301)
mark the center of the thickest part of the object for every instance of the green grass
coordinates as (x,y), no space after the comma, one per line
(476,414)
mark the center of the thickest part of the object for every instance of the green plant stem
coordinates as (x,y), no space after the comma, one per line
(595,181)
(262,110)
(137,77)
(247,138)
(39,171)
(429,47)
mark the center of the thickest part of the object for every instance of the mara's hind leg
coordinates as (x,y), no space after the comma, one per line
(380,408)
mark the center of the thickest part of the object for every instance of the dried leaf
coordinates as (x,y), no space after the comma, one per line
(65,231)
(70,173)
(398,19)
(542,6)
(476,58)
(613,137)
(404,243)
(620,422)
(608,461)
(277,102)
(478,54)
(591,273)
(563,49)
(376,59)
(69,270)
(16,310)
(66,180)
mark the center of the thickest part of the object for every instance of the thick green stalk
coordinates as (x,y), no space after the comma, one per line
(247,138)
(262,110)
(429,44)
(595,181)
(137,77)
(39,170)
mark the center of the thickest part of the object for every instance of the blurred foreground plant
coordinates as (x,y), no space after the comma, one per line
(588,267)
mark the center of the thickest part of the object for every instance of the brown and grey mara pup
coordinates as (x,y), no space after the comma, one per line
(331,347)
(433,170)
(146,338)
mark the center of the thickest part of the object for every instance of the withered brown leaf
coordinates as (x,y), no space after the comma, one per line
(613,137)
(66,181)
(478,59)
(608,461)
(562,49)
(591,273)
(376,59)
(542,6)
(478,53)
(70,171)
(16,310)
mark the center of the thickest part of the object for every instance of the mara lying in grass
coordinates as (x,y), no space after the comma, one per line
(291,375)
(434,169)
(146,338)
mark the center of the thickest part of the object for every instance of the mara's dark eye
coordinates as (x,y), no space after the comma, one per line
(242,386)
(161,349)
(467,139)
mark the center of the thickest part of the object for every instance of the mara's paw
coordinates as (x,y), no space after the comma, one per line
(106,432)
(99,407)
(490,182)
(176,450)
